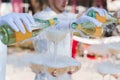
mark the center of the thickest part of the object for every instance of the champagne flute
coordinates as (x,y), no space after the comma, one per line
(55,35)
(107,67)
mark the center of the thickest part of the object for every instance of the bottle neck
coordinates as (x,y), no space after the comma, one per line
(92,13)
(47,23)
(96,15)
(53,21)
(76,26)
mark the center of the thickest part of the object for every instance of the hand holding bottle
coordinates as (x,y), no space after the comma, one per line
(85,18)
(67,23)
(9,36)
(89,26)
(16,21)
(102,12)
(84,25)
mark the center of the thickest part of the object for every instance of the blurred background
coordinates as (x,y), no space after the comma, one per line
(75,6)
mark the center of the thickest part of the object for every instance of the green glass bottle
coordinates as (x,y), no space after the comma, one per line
(46,23)
(9,36)
(88,29)
(107,19)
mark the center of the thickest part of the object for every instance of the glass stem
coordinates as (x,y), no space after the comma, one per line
(70,76)
(110,77)
(103,77)
(49,47)
(55,51)
(37,77)
(55,78)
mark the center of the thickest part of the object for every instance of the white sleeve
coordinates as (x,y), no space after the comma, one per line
(40,15)
(45,15)
(3,60)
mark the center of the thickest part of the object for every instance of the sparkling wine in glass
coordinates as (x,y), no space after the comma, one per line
(56,72)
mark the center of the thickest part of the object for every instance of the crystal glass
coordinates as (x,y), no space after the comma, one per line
(56,35)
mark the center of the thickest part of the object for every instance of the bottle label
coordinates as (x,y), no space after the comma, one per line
(98,31)
(20,36)
(79,27)
(52,22)
(101,18)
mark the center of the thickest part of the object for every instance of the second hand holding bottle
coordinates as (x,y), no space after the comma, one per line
(9,36)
